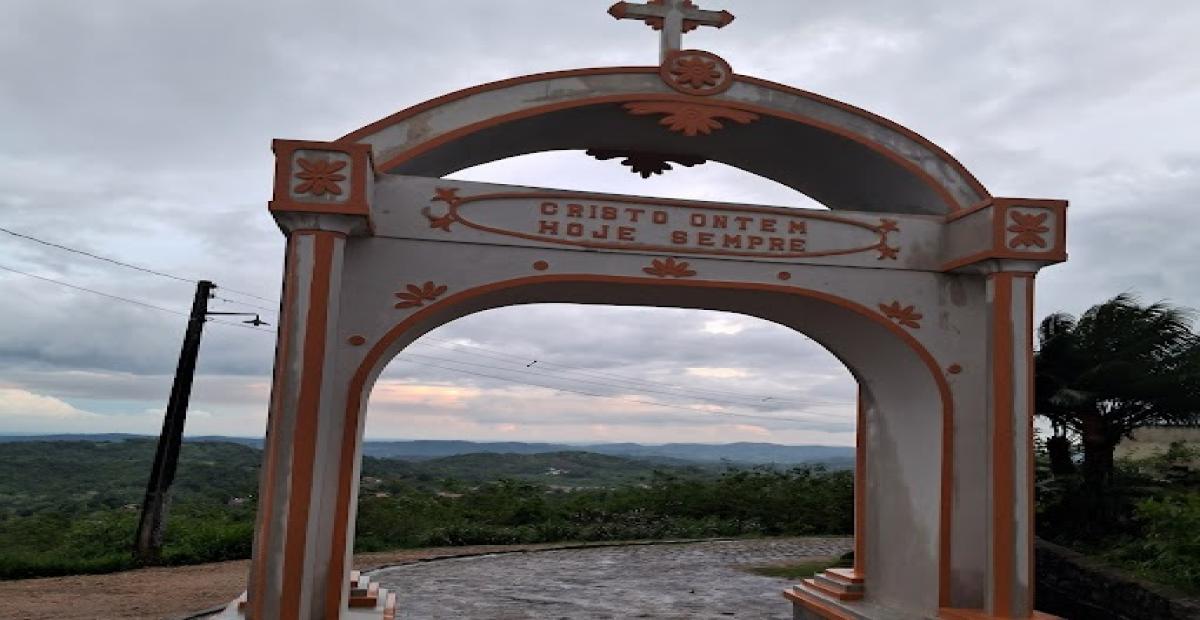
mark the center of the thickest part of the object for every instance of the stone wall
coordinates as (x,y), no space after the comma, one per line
(1079,588)
(1153,440)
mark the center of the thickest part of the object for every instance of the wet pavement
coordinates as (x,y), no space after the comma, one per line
(691,580)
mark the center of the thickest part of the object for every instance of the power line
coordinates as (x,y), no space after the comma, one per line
(126,299)
(161,274)
(502,356)
(604,384)
(433,365)
(241,325)
(95,292)
(603,374)
(652,386)
(245,303)
(593,394)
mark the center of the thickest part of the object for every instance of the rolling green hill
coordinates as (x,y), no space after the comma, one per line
(746,453)
(80,476)
(557,469)
(70,507)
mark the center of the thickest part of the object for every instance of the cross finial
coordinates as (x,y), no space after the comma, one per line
(672,18)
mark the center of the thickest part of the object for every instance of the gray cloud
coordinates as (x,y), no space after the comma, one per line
(142,130)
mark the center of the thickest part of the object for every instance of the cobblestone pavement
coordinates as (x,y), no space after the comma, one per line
(692,580)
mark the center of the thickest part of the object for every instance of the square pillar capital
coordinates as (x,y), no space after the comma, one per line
(1028,231)
(334,178)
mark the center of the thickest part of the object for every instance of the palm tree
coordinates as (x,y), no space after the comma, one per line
(1118,367)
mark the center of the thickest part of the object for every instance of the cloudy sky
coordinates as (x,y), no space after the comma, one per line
(140,130)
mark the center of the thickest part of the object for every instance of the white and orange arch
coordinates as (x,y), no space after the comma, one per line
(920,281)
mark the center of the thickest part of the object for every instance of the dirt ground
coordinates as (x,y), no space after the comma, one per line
(171,593)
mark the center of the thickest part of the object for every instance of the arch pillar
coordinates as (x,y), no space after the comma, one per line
(1010,581)
(860,485)
(304,443)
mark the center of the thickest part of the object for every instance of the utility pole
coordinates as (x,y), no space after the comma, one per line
(154,507)
(153,519)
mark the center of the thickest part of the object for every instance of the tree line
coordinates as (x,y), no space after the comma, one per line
(1099,377)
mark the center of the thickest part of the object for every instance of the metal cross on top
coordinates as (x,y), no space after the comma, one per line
(672,18)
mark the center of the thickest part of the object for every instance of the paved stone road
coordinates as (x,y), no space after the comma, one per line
(694,580)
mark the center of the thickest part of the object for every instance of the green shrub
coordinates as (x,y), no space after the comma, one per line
(205,528)
(1168,549)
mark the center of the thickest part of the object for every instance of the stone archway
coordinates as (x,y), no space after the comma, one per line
(918,279)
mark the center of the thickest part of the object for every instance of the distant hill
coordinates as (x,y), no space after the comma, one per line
(835,457)
(71,476)
(72,437)
(67,476)
(742,452)
(560,469)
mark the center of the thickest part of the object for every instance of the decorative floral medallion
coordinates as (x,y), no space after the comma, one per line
(885,228)
(646,164)
(906,315)
(448,195)
(1029,228)
(696,72)
(319,177)
(690,119)
(414,296)
(669,268)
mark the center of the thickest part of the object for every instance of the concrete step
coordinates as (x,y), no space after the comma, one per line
(845,574)
(360,587)
(837,584)
(832,591)
(368,599)
(389,606)
(816,602)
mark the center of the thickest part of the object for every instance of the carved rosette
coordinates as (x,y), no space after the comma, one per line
(669,268)
(414,296)
(449,196)
(885,228)
(696,72)
(646,164)
(1028,229)
(906,316)
(690,119)
(321,177)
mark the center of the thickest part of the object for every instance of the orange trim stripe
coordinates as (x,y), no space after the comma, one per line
(377,126)
(455,212)
(398,158)
(958,215)
(304,438)
(1002,444)
(815,605)
(278,389)
(946,516)
(860,488)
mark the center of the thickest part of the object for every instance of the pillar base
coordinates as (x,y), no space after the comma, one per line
(811,602)
(979,614)
(368,601)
